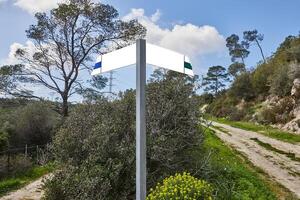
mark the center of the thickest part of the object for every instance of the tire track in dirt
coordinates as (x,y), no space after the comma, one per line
(279,167)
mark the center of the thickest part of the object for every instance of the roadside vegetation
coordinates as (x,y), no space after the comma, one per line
(267,94)
(262,129)
(21,179)
(246,181)
(233,175)
(267,146)
(93,142)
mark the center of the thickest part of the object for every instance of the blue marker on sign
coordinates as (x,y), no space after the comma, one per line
(98,65)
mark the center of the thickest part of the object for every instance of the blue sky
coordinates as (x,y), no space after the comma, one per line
(276,19)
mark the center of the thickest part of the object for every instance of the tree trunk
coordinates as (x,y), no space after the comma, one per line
(216,89)
(261,51)
(65,106)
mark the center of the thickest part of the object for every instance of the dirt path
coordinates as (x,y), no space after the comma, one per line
(33,191)
(278,166)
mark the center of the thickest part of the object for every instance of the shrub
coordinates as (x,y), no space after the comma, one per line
(3,140)
(96,144)
(236,114)
(181,187)
(222,106)
(242,87)
(33,124)
(17,165)
(278,113)
(267,116)
(281,84)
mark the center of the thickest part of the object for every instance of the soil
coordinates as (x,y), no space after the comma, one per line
(32,191)
(279,166)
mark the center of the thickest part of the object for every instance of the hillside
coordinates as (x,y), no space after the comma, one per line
(268,94)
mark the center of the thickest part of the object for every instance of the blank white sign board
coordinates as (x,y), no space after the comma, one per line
(140,54)
(155,55)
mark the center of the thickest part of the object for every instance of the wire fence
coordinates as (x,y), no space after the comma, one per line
(17,159)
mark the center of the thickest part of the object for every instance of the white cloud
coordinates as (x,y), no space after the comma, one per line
(188,39)
(29,47)
(33,6)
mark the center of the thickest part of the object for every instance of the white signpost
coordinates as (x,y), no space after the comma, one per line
(140,54)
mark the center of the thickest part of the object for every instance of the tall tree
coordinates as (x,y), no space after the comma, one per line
(215,79)
(254,37)
(66,40)
(237,50)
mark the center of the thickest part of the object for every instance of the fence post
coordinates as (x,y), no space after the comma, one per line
(26,150)
(8,160)
(37,154)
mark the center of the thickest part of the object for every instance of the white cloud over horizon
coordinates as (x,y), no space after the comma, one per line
(11,59)
(197,42)
(33,6)
(188,39)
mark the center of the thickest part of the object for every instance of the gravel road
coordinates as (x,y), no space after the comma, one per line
(278,166)
(33,191)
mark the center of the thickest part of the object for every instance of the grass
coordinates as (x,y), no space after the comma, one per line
(262,129)
(221,129)
(267,146)
(236,177)
(19,180)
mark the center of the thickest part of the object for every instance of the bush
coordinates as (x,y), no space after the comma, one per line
(236,114)
(267,116)
(181,187)
(222,106)
(3,140)
(96,144)
(17,165)
(278,113)
(205,98)
(33,124)
(242,87)
(281,84)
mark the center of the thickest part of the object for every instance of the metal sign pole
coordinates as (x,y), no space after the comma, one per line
(140,120)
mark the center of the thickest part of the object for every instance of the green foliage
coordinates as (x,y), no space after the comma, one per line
(269,147)
(256,38)
(21,179)
(205,98)
(222,106)
(181,186)
(277,113)
(276,76)
(237,50)
(96,145)
(236,68)
(3,140)
(215,79)
(32,124)
(242,87)
(7,80)
(17,164)
(260,79)
(281,84)
(263,129)
(230,175)
(65,40)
